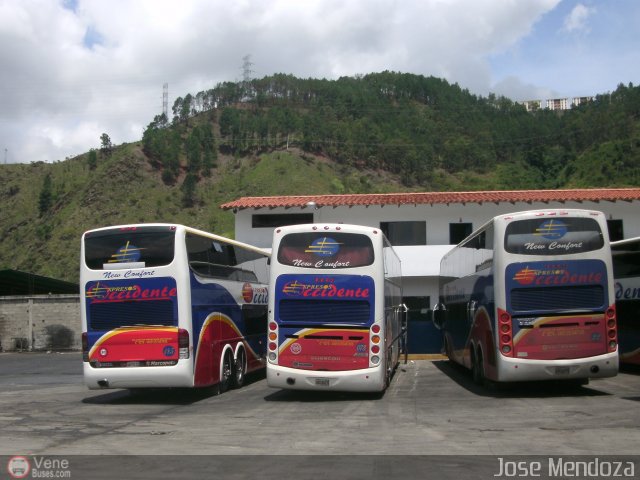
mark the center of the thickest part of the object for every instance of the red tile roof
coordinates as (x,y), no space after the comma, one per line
(434,198)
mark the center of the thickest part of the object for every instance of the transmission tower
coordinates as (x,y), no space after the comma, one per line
(165,100)
(246,68)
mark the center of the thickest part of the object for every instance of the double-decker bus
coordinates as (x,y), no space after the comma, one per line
(336,317)
(529,296)
(171,306)
(626,271)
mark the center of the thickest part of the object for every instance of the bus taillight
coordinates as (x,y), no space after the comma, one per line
(506,333)
(85,347)
(612,328)
(183,343)
(374,341)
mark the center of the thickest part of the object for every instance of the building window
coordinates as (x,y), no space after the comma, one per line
(458,232)
(405,233)
(280,220)
(616,231)
(419,308)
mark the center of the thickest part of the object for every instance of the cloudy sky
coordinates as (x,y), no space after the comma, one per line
(71,70)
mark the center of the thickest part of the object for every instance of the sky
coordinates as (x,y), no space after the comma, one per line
(71,70)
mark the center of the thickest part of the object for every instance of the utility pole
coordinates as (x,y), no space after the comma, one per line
(5,155)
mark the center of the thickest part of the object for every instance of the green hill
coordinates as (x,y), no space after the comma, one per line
(283,136)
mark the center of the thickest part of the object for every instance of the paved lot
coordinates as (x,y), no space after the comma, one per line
(431,408)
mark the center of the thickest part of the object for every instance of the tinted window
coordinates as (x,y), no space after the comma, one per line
(334,250)
(458,232)
(405,233)
(214,258)
(553,236)
(142,247)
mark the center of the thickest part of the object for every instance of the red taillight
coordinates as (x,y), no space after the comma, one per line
(506,335)
(273,326)
(612,328)
(375,329)
(272,346)
(375,349)
(85,347)
(183,343)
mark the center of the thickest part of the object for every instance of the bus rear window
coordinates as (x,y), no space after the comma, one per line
(135,247)
(553,236)
(325,250)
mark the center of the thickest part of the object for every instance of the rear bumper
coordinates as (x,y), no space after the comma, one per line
(365,380)
(180,375)
(601,366)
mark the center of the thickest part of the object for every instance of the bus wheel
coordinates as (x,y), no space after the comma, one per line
(240,369)
(227,371)
(477,368)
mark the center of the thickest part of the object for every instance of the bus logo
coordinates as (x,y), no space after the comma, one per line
(526,276)
(551,229)
(247,292)
(126,254)
(168,351)
(295,348)
(323,247)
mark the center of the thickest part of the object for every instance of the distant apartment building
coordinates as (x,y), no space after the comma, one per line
(555,104)
(558,104)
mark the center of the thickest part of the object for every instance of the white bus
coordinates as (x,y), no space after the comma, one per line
(170,306)
(336,318)
(626,271)
(529,296)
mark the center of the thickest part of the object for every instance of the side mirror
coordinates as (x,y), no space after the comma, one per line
(439,315)
(404,314)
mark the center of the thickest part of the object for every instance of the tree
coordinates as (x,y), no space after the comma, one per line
(46,196)
(189,190)
(106,147)
(93,159)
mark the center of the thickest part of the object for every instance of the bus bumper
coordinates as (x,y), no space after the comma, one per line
(601,366)
(365,380)
(180,375)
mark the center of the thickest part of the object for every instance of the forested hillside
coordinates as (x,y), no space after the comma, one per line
(282,135)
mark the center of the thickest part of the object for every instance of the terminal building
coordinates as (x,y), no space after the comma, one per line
(425,226)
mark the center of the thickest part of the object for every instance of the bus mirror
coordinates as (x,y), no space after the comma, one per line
(439,315)
(404,314)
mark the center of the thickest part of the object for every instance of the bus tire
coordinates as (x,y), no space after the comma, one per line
(240,368)
(477,368)
(226,372)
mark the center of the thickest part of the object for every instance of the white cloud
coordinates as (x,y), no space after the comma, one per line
(577,20)
(74,69)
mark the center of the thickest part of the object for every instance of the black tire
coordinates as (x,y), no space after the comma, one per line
(227,373)
(240,369)
(477,368)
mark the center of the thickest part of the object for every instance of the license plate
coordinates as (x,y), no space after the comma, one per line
(562,370)
(322,382)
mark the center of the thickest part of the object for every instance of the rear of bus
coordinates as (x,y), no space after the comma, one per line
(326,309)
(626,271)
(133,288)
(555,310)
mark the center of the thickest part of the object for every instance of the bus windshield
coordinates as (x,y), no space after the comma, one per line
(555,236)
(127,247)
(321,250)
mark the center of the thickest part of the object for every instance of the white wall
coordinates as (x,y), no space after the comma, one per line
(438,217)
